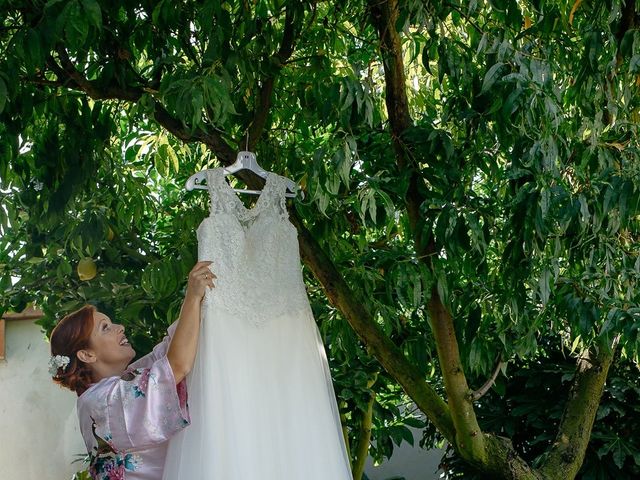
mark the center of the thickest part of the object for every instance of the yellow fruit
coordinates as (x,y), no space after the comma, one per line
(110,234)
(87,268)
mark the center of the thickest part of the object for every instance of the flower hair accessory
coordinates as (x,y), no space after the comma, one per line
(56,362)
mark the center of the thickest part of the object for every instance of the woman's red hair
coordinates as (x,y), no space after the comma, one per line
(70,335)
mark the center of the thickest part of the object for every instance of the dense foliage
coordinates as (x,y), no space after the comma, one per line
(525,407)
(478,155)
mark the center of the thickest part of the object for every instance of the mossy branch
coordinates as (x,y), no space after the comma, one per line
(364,433)
(564,459)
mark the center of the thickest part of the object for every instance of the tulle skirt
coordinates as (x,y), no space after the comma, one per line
(262,404)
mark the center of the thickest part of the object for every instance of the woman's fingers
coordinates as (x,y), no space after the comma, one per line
(202,268)
(201,277)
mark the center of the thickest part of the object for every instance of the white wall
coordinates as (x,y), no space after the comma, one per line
(39,433)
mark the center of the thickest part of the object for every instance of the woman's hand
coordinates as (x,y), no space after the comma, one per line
(200,277)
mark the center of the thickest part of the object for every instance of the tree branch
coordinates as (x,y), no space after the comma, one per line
(44,81)
(378,344)
(565,457)
(629,19)
(266,91)
(469,439)
(364,434)
(71,78)
(384,15)
(503,462)
(478,394)
(211,139)
(90,87)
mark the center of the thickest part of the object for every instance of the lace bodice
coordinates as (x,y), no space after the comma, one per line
(255,252)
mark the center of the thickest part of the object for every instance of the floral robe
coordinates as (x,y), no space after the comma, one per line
(126,421)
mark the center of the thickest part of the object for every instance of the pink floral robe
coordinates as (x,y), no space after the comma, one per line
(126,421)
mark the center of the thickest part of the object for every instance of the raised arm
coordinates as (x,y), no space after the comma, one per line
(184,342)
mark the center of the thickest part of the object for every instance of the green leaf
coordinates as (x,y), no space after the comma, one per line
(161,160)
(407,435)
(3,94)
(76,27)
(414,422)
(492,75)
(373,210)
(425,59)
(584,209)
(417,290)
(173,158)
(473,323)
(544,286)
(33,49)
(92,9)
(514,16)
(442,287)
(157,16)
(619,453)
(510,105)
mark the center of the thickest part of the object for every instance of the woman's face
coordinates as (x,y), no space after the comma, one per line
(109,343)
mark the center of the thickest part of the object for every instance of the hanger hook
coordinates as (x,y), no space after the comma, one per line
(247,144)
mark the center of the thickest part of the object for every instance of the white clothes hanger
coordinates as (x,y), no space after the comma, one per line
(244,161)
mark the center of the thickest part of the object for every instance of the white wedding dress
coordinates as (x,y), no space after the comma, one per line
(261,398)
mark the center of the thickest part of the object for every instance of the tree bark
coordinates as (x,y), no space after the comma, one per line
(384,15)
(503,462)
(565,457)
(469,437)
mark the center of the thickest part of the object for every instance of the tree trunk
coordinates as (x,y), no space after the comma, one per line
(469,437)
(565,457)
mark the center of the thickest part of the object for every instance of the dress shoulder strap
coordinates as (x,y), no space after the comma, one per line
(279,199)
(223,199)
(215,195)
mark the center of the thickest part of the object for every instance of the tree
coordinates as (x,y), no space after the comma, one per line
(525,407)
(470,171)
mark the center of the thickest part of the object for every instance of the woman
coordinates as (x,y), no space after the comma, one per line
(128,412)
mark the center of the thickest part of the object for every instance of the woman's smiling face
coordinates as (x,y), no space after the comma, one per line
(109,343)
